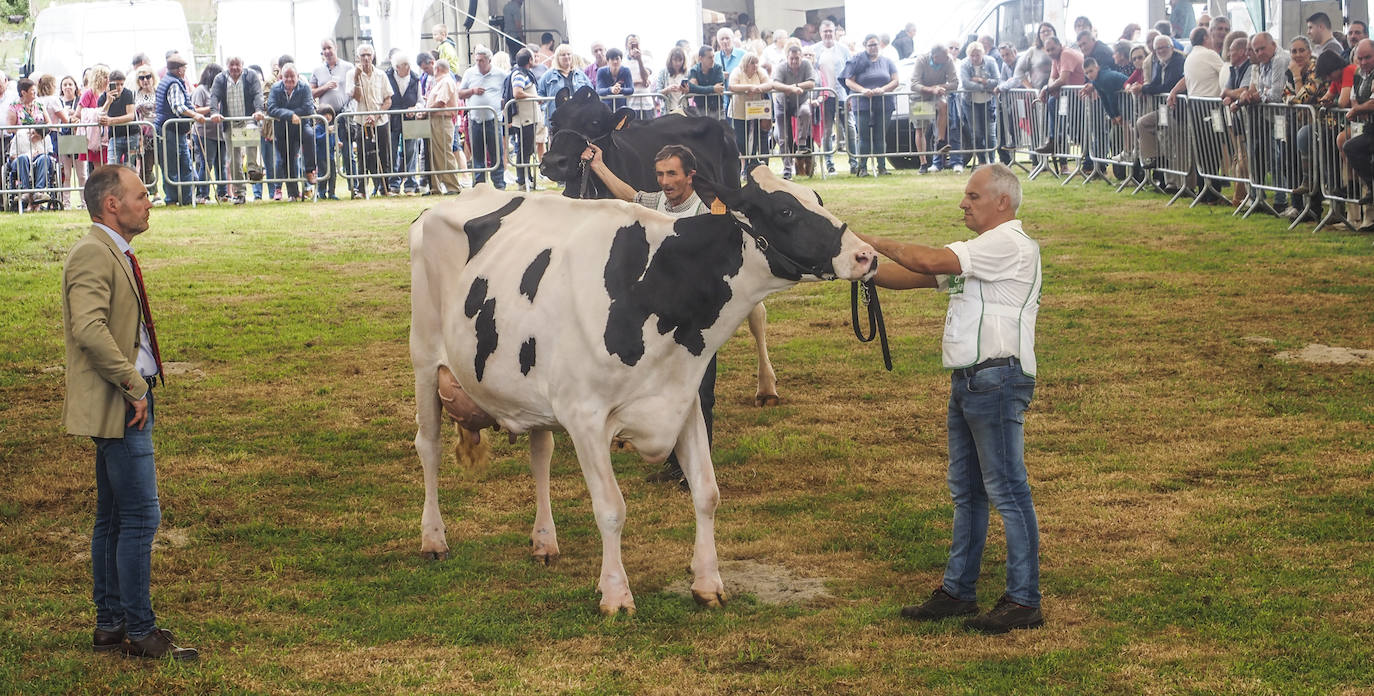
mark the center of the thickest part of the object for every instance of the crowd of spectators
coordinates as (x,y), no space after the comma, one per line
(433,123)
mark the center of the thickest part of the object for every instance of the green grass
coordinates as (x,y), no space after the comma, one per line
(1205,509)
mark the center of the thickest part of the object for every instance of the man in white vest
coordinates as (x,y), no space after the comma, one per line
(993,281)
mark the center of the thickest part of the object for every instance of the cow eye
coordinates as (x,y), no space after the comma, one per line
(787,212)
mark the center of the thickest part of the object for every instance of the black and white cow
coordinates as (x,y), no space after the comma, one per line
(539,313)
(628,147)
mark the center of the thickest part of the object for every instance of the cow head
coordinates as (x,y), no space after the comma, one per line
(584,112)
(799,237)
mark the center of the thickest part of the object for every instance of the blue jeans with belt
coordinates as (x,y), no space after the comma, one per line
(986,464)
(127,515)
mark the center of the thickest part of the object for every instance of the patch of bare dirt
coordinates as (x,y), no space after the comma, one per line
(770,584)
(1327,355)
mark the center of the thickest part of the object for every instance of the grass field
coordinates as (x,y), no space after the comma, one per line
(1206,510)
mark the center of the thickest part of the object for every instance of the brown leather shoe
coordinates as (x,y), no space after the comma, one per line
(158,645)
(106,641)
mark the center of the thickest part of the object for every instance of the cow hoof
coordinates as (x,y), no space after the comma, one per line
(545,558)
(434,555)
(710,600)
(766,400)
(611,610)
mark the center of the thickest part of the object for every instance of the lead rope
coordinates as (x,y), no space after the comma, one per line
(586,183)
(868,293)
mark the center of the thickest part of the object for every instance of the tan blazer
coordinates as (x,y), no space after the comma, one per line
(100,318)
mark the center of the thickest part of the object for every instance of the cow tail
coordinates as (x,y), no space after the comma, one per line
(473,450)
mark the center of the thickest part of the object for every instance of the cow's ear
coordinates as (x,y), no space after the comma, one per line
(562,96)
(622,117)
(584,94)
(709,190)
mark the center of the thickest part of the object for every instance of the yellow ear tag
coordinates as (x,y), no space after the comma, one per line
(624,120)
(717,208)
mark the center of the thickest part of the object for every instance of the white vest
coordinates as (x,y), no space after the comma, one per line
(968,310)
(698,209)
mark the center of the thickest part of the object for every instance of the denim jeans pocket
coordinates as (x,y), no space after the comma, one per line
(989,380)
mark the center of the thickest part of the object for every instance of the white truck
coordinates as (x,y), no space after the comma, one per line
(67,39)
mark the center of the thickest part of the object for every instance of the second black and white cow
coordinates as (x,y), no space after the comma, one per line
(628,147)
(539,313)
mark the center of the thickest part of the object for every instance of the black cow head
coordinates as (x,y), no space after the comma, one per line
(799,237)
(584,112)
(563,158)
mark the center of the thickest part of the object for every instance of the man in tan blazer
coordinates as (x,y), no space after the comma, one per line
(112,361)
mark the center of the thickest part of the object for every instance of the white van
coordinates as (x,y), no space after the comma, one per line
(67,39)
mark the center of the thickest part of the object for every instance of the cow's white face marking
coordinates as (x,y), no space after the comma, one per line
(772,183)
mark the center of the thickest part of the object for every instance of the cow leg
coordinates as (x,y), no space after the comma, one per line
(767,395)
(544,538)
(694,453)
(429,418)
(608,506)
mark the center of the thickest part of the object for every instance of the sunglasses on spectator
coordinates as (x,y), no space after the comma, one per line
(145,77)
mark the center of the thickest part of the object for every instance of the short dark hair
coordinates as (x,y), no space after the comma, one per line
(424,58)
(1084,33)
(284,59)
(101,184)
(523,58)
(25,84)
(613,53)
(1360,22)
(1320,19)
(1164,27)
(705,51)
(115,76)
(545,38)
(682,153)
(1089,62)
(1198,37)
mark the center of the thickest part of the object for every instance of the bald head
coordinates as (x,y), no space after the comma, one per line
(1364,56)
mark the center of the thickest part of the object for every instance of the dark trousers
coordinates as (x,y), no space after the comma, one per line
(288,140)
(486,152)
(1359,151)
(707,394)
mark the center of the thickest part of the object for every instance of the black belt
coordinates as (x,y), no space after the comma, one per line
(969,372)
(151,381)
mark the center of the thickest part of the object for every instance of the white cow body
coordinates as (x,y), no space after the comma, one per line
(556,361)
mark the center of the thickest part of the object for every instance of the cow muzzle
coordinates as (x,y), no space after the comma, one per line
(857,259)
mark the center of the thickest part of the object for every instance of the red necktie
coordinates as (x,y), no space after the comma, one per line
(147,313)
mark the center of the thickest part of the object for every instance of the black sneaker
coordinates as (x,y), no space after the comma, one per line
(941,605)
(1005,617)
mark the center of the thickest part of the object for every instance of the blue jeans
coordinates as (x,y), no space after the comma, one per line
(126,517)
(986,447)
(124,148)
(267,149)
(325,146)
(176,168)
(407,160)
(37,168)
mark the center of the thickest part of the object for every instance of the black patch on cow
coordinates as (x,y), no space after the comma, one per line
(484,309)
(529,281)
(683,285)
(527,356)
(481,228)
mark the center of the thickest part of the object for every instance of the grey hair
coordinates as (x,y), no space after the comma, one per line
(481,51)
(442,63)
(400,59)
(1303,39)
(1003,181)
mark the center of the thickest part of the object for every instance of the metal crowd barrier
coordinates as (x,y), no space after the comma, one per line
(366,157)
(245,134)
(1214,140)
(38,177)
(1335,178)
(523,137)
(656,107)
(1024,114)
(1114,140)
(811,143)
(1274,160)
(1071,138)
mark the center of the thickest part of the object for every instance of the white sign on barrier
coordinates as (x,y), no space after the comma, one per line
(1020,109)
(925,111)
(1063,107)
(1280,127)
(1163,117)
(756,110)
(71,144)
(1217,125)
(245,136)
(415,130)
(1356,128)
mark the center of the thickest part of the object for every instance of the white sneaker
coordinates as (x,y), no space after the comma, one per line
(1290,213)
(958,169)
